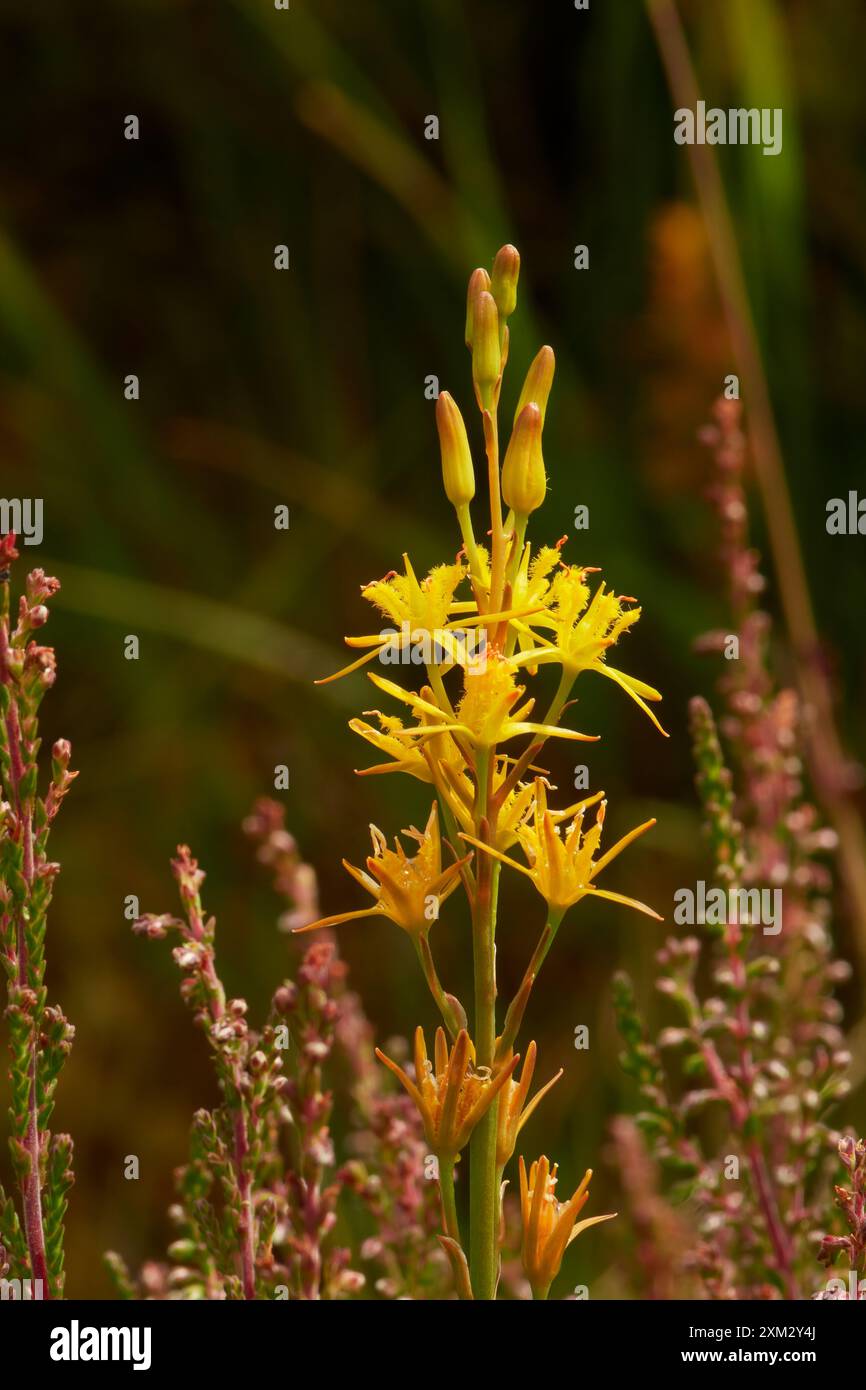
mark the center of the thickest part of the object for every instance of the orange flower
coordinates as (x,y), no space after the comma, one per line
(452,1095)
(563,867)
(513,1111)
(407,890)
(548,1225)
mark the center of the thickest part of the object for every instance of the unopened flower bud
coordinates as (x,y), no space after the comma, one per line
(524,482)
(62,752)
(503,281)
(286,998)
(479,280)
(458,473)
(486,355)
(539,380)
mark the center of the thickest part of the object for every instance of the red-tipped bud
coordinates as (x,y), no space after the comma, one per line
(503,281)
(524,482)
(539,380)
(458,473)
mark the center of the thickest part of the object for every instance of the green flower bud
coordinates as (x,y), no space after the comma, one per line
(524,482)
(539,380)
(486,354)
(458,473)
(479,280)
(503,281)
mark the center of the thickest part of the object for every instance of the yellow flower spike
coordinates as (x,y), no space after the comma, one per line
(524,481)
(581,635)
(408,891)
(458,473)
(513,1111)
(452,1095)
(539,380)
(549,1226)
(562,867)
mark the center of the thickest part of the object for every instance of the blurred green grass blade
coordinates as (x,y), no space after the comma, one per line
(197,621)
(62,363)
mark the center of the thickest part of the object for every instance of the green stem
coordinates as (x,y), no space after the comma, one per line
(566,681)
(482,1146)
(483,1196)
(464,517)
(517,1007)
(449,1199)
(445,1007)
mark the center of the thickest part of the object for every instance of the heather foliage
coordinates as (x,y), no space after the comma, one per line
(40,1037)
(259,1202)
(739,1088)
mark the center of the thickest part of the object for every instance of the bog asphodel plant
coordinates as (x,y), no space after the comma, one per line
(481,628)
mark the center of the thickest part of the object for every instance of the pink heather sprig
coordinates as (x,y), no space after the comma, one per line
(40,1037)
(260,1199)
(764,1042)
(851,1201)
(314,1265)
(385,1144)
(226,1237)
(278,851)
(663,1234)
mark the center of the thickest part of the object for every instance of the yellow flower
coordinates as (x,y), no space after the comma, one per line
(416,756)
(418,610)
(490,711)
(513,1111)
(563,867)
(581,635)
(458,790)
(548,1225)
(426,617)
(407,890)
(452,1095)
